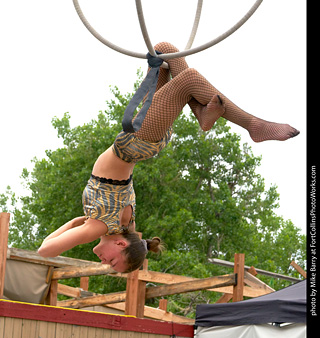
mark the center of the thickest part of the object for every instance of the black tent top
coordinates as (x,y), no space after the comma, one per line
(284,306)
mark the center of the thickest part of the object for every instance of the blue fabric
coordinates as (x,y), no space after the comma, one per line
(149,84)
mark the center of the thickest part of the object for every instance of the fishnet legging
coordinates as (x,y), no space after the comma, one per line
(188,86)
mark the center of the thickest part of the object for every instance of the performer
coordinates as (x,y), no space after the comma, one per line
(109,198)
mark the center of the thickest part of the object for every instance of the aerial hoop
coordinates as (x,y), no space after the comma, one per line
(145,32)
(168,56)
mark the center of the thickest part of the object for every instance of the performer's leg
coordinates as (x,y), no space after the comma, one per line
(188,86)
(205,115)
(259,129)
(170,99)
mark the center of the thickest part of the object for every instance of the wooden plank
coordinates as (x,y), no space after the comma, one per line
(299,269)
(154,313)
(259,271)
(82,271)
(47,329)
(8,329)
(157,277)
(194,285)
(82,332)
(252,270)
(248,291)
(69,291)
(89,270)
(256,283)
(2,319)
(29,328)
(239,271)
(160,277)
(34,257)
(225,298)
(157,291)
(4,231)
(110,298)
(144,275)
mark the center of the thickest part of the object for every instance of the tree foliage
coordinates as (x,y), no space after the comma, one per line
(201,195)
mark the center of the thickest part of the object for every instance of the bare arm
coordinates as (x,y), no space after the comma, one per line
(75,232)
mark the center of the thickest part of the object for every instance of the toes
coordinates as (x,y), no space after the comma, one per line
(294,132)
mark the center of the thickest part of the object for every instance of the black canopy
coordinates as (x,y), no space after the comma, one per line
(284,306)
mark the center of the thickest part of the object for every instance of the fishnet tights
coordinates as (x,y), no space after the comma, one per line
(189,86)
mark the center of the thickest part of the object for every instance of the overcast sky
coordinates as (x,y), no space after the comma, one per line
(51,64)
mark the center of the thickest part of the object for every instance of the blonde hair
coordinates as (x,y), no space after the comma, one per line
(137,251)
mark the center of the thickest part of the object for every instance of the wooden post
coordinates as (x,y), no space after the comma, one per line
(142,286)
(239,270)
(253,271)
(299,269)
(84,283)
(53,293)
(4,232)
(135,293)
(163,304)
(132,293)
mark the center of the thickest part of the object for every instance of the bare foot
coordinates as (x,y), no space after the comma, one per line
(261,130)
(209,114)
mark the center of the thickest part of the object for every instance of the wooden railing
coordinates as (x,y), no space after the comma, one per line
(242,282)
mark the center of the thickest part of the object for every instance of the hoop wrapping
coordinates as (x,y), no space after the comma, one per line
(148,85)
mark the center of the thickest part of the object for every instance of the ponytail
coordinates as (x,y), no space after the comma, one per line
(155,245)
(137,251)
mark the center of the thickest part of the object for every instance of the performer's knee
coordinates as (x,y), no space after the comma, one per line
(166,47)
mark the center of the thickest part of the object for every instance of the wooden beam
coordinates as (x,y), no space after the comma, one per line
(239,271)
(299,269)
(34,257)
(110,298)
(189,286)
(69,291)
(144,275)
(252,271)
(248,291)
(256,283)
(259,271)
(82,271)
(156,291)
(157,277)
(154,313)
(4,232)
(225,298)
